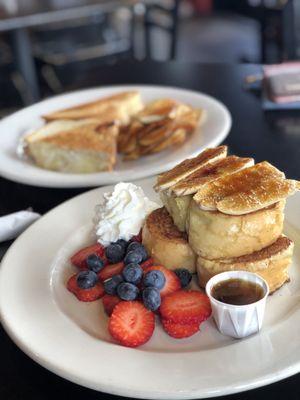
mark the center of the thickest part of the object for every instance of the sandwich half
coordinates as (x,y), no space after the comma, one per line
(83,146)
(119,108)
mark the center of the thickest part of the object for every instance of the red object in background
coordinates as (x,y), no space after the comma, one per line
(202,6)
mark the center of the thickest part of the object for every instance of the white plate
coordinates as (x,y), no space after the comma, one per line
(71,339)
(21,170)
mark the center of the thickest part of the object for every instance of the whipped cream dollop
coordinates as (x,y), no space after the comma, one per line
(122,213)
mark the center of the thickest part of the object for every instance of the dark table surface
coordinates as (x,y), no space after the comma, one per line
(273,136)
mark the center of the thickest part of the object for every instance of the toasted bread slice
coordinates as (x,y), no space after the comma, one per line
(209,173)
(165,243)
(73,146)
(187,167)
(119,107)
(213,234)
(271,263)
(246,191)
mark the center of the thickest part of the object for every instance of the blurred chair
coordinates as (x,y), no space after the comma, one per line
(162,15)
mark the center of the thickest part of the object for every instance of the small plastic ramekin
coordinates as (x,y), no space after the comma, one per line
(235,320)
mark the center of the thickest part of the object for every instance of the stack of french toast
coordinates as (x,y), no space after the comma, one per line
(222,213)
(86,138)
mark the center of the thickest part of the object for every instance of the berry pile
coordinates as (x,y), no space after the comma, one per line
(132,289)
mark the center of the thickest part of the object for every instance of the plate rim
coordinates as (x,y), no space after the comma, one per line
(267,379)
(94,179)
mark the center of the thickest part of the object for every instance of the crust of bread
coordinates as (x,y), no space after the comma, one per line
(245,191)
(119,107)
(271,263)
(187,167)
(216,235)
(165,243)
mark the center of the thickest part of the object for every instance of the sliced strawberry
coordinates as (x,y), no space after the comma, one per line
(109,303)
(131,324)
(91,294)
(147,263)
(110,270)
(185,307)
(137,238)
(172,281)
(179,331)
(79,258)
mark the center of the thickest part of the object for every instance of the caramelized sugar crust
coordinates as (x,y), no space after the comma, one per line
(245,191)
(209,173)
(189,166)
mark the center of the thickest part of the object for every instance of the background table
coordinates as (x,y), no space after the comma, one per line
(273,136)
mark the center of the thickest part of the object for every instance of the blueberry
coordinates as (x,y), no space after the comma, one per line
(184,275)
(127,291)
(132,273)
(110,285)
(114,253)
(133,256)
(122,243)
(94,263)
(138,247)
(151,298)
(155,279)
(87,279)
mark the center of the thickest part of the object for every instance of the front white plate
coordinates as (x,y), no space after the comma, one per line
(71,339)
(21,170)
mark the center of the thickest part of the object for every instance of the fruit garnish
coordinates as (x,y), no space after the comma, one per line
(86,279)
(185,307)
(115,253)
(95,263)
(147,263)
(133,256)
(184,276)
(131,324)
(111,284)
(132,273)
(92,294)
(172,281)
(151,298)
(79,258)
(137,238)
(179,331)
(138,247)
(110,270)
(109,303)
(155,279)
(127,291)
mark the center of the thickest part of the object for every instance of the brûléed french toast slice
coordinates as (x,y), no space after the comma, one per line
(165,243)
(246,191)
(83,146)
(271,263)
(118,107)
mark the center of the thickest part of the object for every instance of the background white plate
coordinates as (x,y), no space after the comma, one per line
(21,170)
(71,339)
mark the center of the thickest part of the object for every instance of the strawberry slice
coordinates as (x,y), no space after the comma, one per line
(110,270)
(131,324)
(185,307)
(137,238)
(79,258)
(91,294)
(109,303)
(147,263)
(172,281)
(179,331)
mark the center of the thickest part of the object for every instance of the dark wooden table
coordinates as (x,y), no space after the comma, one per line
(274,136)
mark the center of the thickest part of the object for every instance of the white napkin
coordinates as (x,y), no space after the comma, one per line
(12,225)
